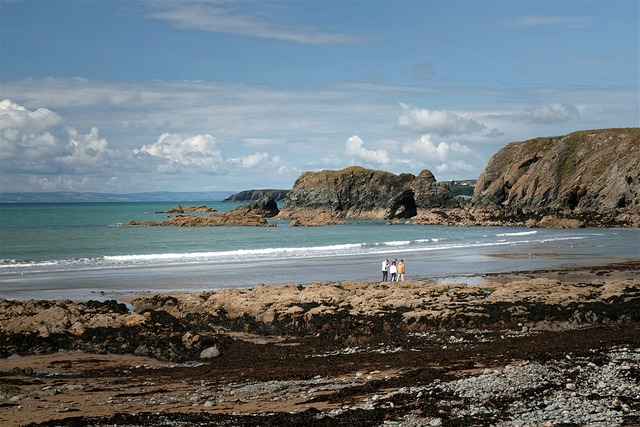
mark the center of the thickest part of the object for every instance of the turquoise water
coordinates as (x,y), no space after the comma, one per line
(80,249)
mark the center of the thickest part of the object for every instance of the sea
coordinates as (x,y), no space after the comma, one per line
(81,251)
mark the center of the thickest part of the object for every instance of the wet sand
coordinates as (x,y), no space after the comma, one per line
(358,369)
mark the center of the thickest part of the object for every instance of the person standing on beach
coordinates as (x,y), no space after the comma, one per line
(385,270)
(394,271)
(401,270)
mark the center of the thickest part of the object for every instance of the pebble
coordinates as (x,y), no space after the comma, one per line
(568,391)
(539,393)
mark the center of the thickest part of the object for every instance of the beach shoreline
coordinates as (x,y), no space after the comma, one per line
(440,267)
(334,352)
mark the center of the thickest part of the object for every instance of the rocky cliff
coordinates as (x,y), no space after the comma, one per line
(265,206)
(586,178)
(587,173)
(356,192)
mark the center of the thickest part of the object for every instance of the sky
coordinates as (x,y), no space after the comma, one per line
(136,96)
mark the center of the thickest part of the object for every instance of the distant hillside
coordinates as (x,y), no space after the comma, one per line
(88,197)
(253,195)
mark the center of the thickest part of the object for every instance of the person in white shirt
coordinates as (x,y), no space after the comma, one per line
(385,270)
(394,271)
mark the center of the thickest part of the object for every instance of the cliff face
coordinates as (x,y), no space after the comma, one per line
(584,172)
(356,192)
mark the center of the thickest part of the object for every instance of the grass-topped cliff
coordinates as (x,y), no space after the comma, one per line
(586,171)
(357,192)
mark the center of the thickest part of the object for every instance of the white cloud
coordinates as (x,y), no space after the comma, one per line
(33,142)
(64,158)
(14,116)
(553,113)
(305,127)
(29,152)
(441,122)
(442,158)
(355,147)
(88,153)
(251,161)
(178,150)
(457,167)
(215,17)
(425,148)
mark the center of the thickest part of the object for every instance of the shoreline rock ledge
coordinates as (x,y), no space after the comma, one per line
(253,214)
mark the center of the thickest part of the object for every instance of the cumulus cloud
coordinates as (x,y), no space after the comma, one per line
(553,113)
(441,122)
(442,157)
(87,153)
(38,153)
(32,152)
(425,148)
(174,151)
(34,142)
(251,161)
(14,116)
(355,147)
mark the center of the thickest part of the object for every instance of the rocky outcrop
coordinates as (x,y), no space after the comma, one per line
(266,207)
(251,215)
(590,177)
(96,327)
(216,219)
(252,195)
(587,178)
(333,308)
(360,193)
(316,219)
(181,327)
(188,209)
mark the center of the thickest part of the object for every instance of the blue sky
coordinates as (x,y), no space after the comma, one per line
(127,96)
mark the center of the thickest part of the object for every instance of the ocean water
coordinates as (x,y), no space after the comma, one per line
(81,251)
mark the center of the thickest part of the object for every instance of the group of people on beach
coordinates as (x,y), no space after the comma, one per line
(393,271)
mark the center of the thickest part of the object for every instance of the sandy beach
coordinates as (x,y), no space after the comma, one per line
(557,346)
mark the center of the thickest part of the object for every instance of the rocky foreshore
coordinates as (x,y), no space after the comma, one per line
(486,217)
(531,348)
